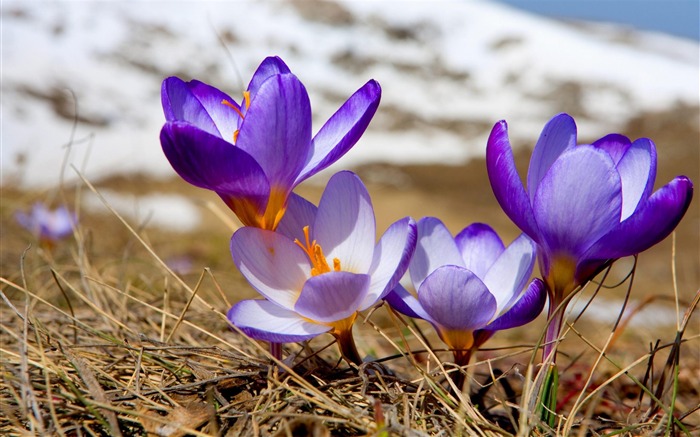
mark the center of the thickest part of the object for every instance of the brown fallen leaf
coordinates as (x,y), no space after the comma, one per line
(178,422)
(306,426)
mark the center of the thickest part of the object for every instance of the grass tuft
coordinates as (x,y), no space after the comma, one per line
(98,341)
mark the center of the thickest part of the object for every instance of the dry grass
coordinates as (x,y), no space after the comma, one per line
(98,341)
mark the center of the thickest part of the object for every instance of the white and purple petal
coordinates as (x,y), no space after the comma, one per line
(276,130)
(345,226)
(656,218)
(615,145)
(505,181)
(456,299)
(637,168)
(342,130)
(300,213)
(558,136)
(404,302)
(435,247)
(270,66)
(264,320)
(181,104)
(392,255)
(508,275)
(528,306)
(480,246)
(332,296)
(578,201)
(275,266)
(224,117)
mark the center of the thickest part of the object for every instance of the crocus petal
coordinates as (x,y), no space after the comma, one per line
(224,117)
(456,299)
(403,301)
(615,145)
(578,201)
(332,296)
(392,255)
(345,227)
(558,135)
(505,181)
(276,130)
(343,129)
(25,221)
(264,320)
(637,168)
(509,274)
(525,310)
(60,223)
(269,67)
(480,246)
(209,162)
(435,247)
(300,213)
(652,222)
(47,224)
(180,104)
(275,266)
(32,222)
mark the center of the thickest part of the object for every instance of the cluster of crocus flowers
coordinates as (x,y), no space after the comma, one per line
(585,205)
(317,268)
(253,153)
(49,226)
(471,285)
(321,268)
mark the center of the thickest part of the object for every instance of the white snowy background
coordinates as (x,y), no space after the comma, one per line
(449,71)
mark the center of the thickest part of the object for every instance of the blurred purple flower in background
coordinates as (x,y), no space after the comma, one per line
(320,268)
(585,205)
(180,264)
(469,286)
(48,226)
(254,153)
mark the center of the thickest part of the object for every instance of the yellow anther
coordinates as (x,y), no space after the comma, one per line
(319,264)
(246,98)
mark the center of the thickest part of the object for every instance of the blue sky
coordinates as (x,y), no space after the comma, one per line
(677,17)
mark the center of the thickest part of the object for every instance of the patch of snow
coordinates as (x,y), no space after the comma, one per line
(607,310)
(167,211)
(439,63)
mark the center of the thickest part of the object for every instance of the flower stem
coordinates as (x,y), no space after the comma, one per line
(346,343)
(276,350)
(556,319)
(461,358)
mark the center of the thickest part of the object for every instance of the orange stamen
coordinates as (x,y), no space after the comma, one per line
(306,247)
(315,253)
(232,106)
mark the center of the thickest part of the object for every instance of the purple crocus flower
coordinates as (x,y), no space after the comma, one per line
(49,226)
(584,205)
(253,153)
(320,268)
(469,286)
